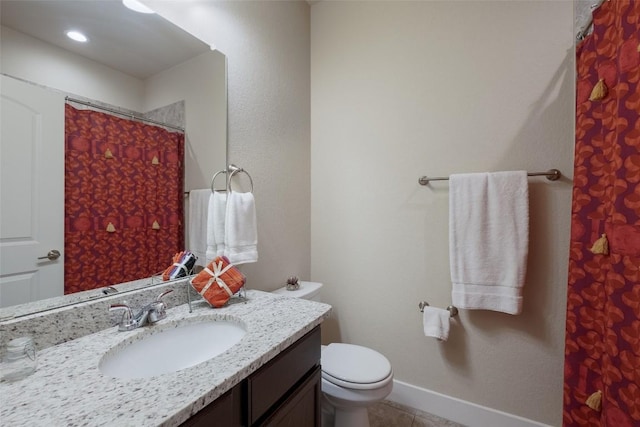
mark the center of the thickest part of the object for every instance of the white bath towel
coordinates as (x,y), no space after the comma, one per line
(436,322)
(197,227)
(216,229)
(488,240)
(241,232)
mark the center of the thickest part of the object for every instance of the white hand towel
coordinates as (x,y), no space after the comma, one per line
(241,232)
(488,239)
(197,227)
(216,224)
(436,322)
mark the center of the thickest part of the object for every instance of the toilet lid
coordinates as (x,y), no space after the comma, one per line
(354,363)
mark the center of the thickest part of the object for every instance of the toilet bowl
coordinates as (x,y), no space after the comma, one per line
(353,377)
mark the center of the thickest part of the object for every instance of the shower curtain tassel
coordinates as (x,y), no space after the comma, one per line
(599,91)
(601,246)
(595,401)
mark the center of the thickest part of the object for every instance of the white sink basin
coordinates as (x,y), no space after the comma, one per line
(171,349)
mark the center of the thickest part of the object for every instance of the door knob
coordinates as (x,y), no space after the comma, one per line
(52,255)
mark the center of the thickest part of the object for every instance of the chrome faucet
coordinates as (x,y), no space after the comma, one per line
(149,314)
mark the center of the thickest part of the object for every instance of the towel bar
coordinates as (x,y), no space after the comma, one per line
(234,170)
(453,311)
(230,172)
(213,190)
(551,174)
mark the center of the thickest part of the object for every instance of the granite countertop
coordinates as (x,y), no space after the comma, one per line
(67,388)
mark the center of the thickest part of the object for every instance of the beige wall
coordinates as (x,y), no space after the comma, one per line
(267,49)
(205,100)
(404,89)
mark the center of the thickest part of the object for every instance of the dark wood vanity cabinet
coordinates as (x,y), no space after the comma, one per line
(284,392)
(301,408)
(225,411)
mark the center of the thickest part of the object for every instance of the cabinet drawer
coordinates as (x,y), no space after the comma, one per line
(302,407)
(225,410)
(272,382)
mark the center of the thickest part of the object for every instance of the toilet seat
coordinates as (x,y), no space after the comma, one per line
(356,386)
(355,367)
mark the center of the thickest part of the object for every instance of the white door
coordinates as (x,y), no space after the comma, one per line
(31,192)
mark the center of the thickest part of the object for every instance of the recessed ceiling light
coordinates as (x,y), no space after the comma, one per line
(137,6)
(77,36)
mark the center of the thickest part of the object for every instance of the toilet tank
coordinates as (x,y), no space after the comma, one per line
(307,290)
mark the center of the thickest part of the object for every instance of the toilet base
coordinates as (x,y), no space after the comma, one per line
(328,412)
(351,417)
(343,417)
(342,407)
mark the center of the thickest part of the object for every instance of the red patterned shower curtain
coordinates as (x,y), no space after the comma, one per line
(123,199)
(602,353)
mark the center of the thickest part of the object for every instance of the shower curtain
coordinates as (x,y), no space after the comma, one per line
(602,352)
(123,199)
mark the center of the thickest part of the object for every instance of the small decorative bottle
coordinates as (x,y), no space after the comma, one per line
(19,360)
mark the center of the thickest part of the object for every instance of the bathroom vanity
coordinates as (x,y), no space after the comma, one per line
(270,377)
(286,391)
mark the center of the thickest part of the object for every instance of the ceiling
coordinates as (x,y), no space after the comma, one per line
(137,44)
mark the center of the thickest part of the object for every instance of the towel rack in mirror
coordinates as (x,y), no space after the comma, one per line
(213,180)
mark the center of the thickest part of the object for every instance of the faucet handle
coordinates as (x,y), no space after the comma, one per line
(127,322)
(158,309)
(159,298)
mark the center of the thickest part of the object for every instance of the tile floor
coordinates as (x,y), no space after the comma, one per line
(391,414)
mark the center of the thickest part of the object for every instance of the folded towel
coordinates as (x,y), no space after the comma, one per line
(216,225)
(183,263)
(436,322)
(197,227)
(488,239)
(218,281)
(241,232)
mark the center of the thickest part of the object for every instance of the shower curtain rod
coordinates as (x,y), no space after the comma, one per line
(132,116)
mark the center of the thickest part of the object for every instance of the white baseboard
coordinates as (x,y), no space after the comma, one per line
(451,408)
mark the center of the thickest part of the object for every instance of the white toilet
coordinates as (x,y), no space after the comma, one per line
(353,377)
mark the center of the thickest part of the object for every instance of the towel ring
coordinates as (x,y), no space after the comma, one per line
(234,170)
(213,190)
(453,311)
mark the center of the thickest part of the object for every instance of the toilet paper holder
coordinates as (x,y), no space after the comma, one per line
(453,311)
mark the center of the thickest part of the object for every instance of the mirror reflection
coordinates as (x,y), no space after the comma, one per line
(138,65)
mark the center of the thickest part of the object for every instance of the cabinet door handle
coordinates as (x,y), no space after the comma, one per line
(51,256)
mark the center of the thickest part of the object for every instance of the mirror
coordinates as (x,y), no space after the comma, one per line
(134,62)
